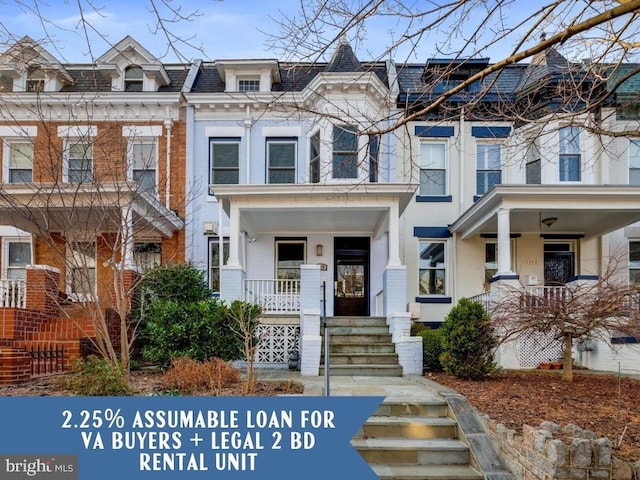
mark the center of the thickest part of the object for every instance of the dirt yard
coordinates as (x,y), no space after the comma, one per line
(607,405)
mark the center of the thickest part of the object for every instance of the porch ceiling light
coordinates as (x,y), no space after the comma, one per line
(549,221)
(319,250)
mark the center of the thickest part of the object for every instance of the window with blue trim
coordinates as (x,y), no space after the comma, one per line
(634,262)
(281,160)
(433,170)
(569,154)
(432,280)
(225,161)
(488,166)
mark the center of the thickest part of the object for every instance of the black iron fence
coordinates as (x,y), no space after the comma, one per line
(46,359)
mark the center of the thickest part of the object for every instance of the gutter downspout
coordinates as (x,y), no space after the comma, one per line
(168,124)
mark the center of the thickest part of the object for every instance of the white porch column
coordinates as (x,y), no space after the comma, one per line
(234,236)
(394,235)
(127,239)
(310,340)
(504,242)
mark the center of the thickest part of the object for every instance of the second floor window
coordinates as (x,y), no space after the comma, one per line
(79,161)
(314,158)
(345,151)
(533,167)
(225,161)
(20,162)
(488,171)
(634,162)
(144,162)
(634,261)
(374,153)
(281,160)
(569,160)
(433,173)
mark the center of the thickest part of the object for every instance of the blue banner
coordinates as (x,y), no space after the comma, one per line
(186,438)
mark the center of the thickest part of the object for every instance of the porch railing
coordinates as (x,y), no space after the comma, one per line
(547,294)
(13,293)
(484,299)
(274,296)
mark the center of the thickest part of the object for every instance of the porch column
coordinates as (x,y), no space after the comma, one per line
(504,242)
(310,340)
(127,239)
(234,236)
(394,236)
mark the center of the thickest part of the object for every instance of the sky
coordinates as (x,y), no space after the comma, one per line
(224,29)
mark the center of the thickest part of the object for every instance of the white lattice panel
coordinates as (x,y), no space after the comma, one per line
(538,347)
(276,343)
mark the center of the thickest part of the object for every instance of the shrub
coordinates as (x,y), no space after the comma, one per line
(95,376)
(431,349)
(188,376)
(176,282)
(417,327)
(468,341)
(198,330)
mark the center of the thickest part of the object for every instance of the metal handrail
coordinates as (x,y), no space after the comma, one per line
(327,363)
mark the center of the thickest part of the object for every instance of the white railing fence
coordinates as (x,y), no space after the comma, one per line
(274,296)
(13,293)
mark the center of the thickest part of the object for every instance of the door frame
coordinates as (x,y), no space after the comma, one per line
(346,248)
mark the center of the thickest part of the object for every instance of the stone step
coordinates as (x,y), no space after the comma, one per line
(421,472)
(361,348)
(363,359)
(412,451)
(358,339)
(364,370)
(357,322)
(408,427)
(398,408)
(365,330)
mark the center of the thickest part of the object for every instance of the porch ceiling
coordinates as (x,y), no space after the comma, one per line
(314,208)
(37,208)
(589,210)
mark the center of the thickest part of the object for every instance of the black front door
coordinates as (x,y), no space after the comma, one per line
(558,267)
(351,286)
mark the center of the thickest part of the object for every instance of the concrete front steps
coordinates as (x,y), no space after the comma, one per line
(360,346)
(414,441)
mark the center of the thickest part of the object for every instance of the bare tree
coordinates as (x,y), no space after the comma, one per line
(583,309)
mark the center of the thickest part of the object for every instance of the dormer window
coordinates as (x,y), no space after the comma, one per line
(133,77)
(249,85)
(35,80)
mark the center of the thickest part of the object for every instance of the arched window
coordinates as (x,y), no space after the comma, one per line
(35,79)
(133,76)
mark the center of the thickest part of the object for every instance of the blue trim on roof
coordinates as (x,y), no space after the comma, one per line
(434,198)
(490,132)
(438,132)
(433,299)
(624,340)
(504,277)
(431,232)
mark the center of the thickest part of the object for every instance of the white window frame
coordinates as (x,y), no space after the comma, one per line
(132,80)
(445,286)
(633,265)
(214,243)
(141,141)
(35,84)
(228,141)
(277,260)
(314,161)
(71,264)
(68,142)
(565,152)
(6,241)
(423,167)
(486,170)
(347,128)
(634,160)
(252,81)
(270,168)
(6,154)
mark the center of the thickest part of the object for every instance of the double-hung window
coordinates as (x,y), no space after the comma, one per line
(634,162)
(225,160)
(17,255)
(345,151)
(20,162)
(374,152)
(35,80)
(432,261)
(214,262)
(144,163)
(133,79)
(79,154)
(569,160)
(281,160)
(147,255)
(433,172)
(488,171)
(314,158)
(634,261)
(533,167)
(290,255)
(82,262)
